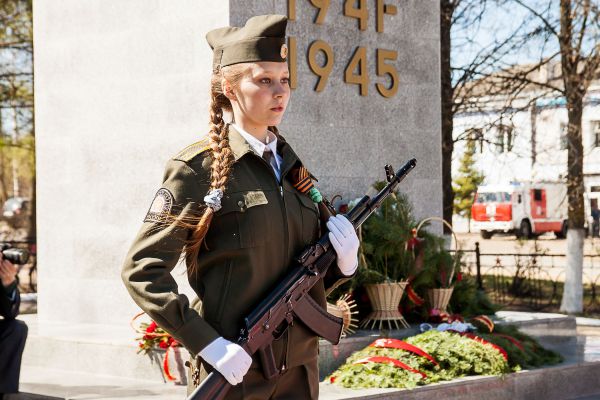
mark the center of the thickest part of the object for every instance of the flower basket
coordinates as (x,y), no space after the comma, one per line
(439,298)
(385,299)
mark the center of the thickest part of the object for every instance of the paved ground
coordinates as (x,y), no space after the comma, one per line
(510,244)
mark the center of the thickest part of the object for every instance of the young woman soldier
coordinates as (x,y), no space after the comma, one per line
(235,204)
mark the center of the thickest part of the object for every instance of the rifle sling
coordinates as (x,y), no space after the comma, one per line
(327,326)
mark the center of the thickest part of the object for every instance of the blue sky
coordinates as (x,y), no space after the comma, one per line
(499,22)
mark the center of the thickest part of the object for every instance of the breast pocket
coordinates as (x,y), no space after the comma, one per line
(237,224)
(310,218)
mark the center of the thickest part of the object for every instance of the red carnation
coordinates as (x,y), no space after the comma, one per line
(414,242)
(459,277)
(163,345)
(151,328)
(174,343)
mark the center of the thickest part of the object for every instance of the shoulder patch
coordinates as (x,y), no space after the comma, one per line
(160,207)
(192,151)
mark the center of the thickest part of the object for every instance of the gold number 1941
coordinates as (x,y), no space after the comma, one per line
(361,12)
(323,6)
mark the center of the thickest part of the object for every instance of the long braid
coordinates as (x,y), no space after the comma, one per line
(222,161)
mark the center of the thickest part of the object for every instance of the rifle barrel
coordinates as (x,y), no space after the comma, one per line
(376,201)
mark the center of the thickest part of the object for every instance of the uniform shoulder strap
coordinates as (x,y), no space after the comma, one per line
(193,150)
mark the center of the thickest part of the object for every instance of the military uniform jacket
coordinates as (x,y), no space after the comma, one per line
(251,242)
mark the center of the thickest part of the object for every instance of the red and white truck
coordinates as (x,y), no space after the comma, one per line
(526,209)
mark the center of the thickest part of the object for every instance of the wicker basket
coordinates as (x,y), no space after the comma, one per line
(385,299)
(440,298)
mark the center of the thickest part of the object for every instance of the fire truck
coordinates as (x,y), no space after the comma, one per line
(526,209)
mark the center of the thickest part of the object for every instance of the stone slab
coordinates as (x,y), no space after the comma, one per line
(87,348)
(52,369)
(554,383)
(58,384)
(569,381)
(581,321)
(91,348)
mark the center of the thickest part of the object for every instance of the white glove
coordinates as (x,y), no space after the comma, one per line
(345,242)
(228,358)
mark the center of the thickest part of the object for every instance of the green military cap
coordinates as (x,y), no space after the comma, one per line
(261,39)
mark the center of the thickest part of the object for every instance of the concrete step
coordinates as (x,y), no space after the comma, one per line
(51,384)
(571,381)
(88,348)
(64,360)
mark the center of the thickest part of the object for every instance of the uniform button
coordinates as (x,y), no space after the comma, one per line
(240,203)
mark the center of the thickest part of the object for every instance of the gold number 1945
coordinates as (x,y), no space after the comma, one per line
(323,71)
(361,78)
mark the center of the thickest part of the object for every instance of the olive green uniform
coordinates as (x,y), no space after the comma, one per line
(249,247)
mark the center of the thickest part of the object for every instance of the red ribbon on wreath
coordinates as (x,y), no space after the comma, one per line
(389,360)
(483,341)
(512,340)
(399,344)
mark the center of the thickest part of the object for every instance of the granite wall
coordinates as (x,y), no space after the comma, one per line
(122,86)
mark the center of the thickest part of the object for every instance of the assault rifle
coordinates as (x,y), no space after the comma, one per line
(290,300)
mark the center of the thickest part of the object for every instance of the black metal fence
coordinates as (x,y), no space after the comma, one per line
(532,281)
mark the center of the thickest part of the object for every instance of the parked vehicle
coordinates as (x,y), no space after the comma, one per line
(14,206)
(526,209)
(16,211)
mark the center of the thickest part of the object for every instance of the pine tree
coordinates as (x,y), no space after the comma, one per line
(465,184)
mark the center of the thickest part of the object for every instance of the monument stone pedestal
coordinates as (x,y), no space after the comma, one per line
(120,87)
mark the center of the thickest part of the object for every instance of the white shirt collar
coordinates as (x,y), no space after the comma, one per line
(257,145)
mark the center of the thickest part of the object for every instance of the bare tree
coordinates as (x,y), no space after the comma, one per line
(570,35)
(17,138)
(468,83)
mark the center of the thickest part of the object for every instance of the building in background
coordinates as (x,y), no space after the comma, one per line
(523,138)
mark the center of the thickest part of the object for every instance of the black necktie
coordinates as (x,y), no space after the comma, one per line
(270,159)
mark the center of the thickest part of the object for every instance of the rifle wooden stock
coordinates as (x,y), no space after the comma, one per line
(289,299)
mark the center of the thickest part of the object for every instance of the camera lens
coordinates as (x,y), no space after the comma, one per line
(16,256)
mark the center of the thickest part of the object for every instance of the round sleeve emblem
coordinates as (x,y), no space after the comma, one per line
(160,207)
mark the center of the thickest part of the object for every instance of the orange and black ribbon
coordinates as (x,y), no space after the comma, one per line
(301,179)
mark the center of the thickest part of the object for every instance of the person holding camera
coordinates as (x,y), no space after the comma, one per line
(13,333)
